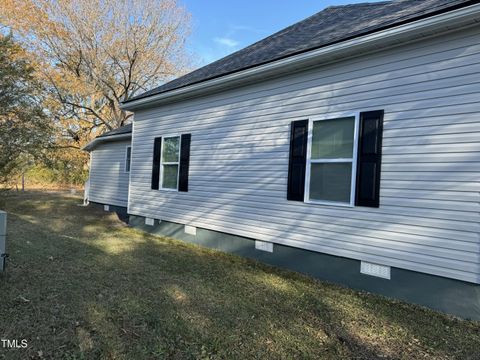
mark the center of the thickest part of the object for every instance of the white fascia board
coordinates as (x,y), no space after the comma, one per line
(99,140)
(403,33)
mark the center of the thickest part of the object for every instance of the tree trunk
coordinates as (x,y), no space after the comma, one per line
(23,182)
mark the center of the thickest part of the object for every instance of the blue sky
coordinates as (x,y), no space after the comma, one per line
(220,27)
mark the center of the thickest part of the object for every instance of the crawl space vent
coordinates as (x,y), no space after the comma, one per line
(191,230)
(264,246)
(375,270)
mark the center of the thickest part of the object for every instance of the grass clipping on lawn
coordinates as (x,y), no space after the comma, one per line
(82,285)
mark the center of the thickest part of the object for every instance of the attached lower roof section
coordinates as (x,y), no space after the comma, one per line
(122,133)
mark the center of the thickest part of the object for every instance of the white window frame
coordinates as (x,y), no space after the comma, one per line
(126,158)
(353,160)
(170,162)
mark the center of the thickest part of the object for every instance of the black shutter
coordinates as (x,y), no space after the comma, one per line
(298,160)
(369,159)
(157,148)
(184,162)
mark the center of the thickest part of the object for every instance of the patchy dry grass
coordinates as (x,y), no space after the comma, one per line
(82,285)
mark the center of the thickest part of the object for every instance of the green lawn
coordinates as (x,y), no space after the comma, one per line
(82,285)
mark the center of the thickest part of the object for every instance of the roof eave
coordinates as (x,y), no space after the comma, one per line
(92,144)
(385,38)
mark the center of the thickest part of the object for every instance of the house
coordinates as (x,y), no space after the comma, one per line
(110,155)
(346,146)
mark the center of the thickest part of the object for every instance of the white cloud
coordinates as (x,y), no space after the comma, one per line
(243,28)
(226,41)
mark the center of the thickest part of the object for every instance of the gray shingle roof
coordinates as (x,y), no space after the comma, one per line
(332,25)
(127,129)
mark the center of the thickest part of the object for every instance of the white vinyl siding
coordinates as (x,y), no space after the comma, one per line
(108,179)
(428,219)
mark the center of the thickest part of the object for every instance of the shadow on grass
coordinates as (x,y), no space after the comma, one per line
(81,284)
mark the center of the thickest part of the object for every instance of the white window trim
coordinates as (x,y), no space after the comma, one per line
(126,157)
(353,160)
(169,162)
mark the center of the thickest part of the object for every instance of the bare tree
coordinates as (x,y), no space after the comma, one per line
(24,127)
(96,53)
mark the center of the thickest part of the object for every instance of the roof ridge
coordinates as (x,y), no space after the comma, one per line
(363,4)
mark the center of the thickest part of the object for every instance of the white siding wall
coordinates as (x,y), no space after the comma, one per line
(108,179)
(428,219)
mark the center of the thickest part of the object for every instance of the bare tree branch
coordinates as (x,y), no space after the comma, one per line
(96,53)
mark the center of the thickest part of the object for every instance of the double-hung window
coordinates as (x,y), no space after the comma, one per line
(170,163)
(331,160)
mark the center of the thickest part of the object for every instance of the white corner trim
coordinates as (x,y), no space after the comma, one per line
(191,230)
(131,161)
(264,246)
(452,19)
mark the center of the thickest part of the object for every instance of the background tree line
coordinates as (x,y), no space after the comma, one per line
(65,66)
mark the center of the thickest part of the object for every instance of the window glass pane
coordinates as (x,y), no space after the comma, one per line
(127,161)
(171,149)
(333,138)
(170,174)
(330,181)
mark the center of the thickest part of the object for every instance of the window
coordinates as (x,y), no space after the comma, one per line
(128,156)
(331,160)
(336,160)
(170,163)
